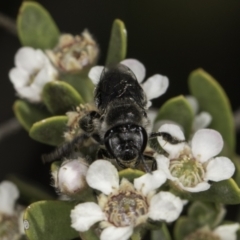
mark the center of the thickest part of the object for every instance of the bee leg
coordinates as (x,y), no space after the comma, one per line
(64,149)
(146,167)
(86,123)
(167,137)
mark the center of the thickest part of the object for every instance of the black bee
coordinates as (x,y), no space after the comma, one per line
(120,125)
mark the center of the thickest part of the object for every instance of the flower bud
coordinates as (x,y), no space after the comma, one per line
(74,53)
(70,178)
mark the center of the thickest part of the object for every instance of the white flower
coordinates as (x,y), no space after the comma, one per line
(121,207)
(70,178)
(202,119)
(227,231)
(153,87)
(33,70)
(74,53)
(191,167)
(223,232)
(8,196)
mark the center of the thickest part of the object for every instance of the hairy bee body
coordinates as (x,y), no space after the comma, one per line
(120,125)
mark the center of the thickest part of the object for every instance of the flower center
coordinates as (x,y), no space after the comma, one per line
(189,171)
(125,208)
(32,77)
(202,235)
(9,227)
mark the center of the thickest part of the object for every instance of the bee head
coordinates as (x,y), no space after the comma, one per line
(126,142)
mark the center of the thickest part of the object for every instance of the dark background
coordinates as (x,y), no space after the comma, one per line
(170,37)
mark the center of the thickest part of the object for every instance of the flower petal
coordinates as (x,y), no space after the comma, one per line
(175,131)
(137,68)
(95,74)
(228,231)
(84,215)
(19,77)
(163,164)
(200,187)
(219,168)
(30,93)
(29,59)
(155,86)
(116,233)
(165,206)
(8,195)
(150,181)
(202,120)
(193,103)
(103,176)
(206,143)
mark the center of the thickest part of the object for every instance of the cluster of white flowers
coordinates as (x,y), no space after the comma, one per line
(33,68)
(122,207)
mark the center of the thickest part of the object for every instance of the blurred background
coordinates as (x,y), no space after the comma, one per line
(170,37)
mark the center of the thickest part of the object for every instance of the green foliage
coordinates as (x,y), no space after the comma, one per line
(210,214)
(30,192)
(36,28)
(81,83)
(162,233)
(117,48)
(183,227)
(49,220)
(60,97)
(213,99)
(130,174)
(200,215)
(28,113)
(50,130)
(226,192)
(178,110)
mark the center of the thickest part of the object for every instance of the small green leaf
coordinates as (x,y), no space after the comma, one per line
(89,235)
(130,174)
(60,97)
(81,83)
(213,99)
(49,220)
(162,233)
(178,110)
(204,213)
(117,47)
(49,131)
(226,192)
(183,227)
(30,192)
(36,28)
(27,113)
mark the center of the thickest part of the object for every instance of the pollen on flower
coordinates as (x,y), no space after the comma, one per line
(124,208)
(202,235)
(189,171)
(74,53)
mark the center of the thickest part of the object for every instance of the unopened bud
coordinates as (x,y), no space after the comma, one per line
(70,178)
